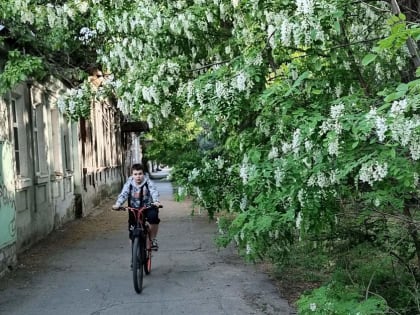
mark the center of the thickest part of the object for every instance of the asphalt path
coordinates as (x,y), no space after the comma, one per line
(84,268)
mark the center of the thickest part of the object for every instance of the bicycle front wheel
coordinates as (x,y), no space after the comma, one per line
(148,261)
(138,250)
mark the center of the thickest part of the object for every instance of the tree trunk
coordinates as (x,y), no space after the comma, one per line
(412,230)
(411,44)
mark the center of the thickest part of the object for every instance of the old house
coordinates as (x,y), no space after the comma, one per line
(52,170)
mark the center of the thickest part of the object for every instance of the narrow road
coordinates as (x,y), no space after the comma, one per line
(84,268)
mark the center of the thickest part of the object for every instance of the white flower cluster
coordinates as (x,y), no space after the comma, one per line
(150,120)
(243,203)
(297,138)
(165,109)
(305,6)
(220,89)
(331,124)
(240,81)
(323,180)
(319,179)
(337,111)
(220,162)
(415,147)
(55,15)
(123,106)
(301,198)
(333,146)
(286,31)
(243,171)
(286,147)
(300,29)
(271,32)
(248,249)
(299,220)
(86,35)
(274,153)
(69,101)
(235,3)
(181,191)
(198,193)
(308,146)
(219,227)
(150,94)
(381,128)
(278,176)
(263,126)
(403,130)
(274,235)
(398,108)
(373,172)
(193,175)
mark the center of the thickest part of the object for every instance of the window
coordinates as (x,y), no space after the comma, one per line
(39,141)
(15,135)
(19,125)
(67,161)
(56,142)
(61,136)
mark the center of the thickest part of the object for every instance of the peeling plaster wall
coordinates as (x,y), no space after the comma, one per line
(7,195)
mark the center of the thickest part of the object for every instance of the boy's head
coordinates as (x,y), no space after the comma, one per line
(137,170)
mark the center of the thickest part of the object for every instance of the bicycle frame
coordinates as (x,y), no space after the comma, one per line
(140,229)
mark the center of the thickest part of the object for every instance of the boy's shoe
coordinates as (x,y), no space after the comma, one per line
(155,245)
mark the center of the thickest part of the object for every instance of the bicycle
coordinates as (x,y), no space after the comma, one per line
(141,254)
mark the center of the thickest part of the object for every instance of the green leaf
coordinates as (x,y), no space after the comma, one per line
(298,82)
(337,27)
(395,96)
(402,87)
(255,156)
(368,59)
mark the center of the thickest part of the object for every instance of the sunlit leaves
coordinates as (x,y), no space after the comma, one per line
(19,68)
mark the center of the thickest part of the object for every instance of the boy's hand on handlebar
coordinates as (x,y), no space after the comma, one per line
(115,207)
(157,204)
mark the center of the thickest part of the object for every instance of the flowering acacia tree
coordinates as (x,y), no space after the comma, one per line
(305,113)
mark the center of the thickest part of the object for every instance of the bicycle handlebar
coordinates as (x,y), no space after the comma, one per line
(142,208)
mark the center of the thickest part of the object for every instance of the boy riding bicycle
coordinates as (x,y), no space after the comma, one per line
(139,190)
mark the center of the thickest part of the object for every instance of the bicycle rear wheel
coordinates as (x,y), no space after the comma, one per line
(138,250)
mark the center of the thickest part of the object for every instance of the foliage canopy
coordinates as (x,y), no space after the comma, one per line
(290,120)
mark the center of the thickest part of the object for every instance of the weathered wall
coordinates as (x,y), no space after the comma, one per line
(7,195)
(100,155)
(52,170)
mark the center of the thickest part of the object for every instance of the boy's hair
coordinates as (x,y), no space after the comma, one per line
(137,167)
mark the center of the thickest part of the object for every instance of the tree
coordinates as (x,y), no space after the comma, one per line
(308,111)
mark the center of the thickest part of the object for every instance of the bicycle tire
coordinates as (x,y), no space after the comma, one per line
(138,250)
(148,262)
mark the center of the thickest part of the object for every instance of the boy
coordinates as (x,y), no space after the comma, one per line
(140,190)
